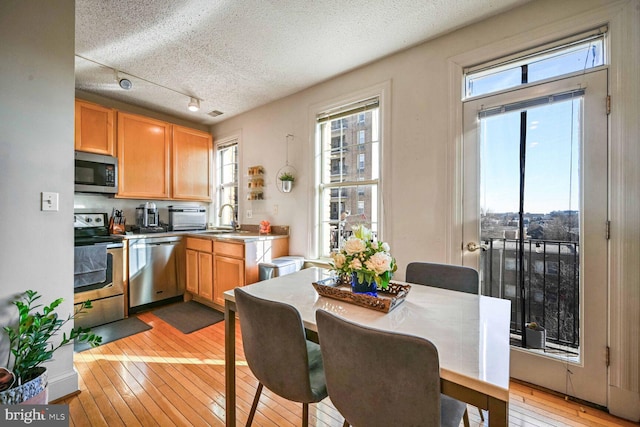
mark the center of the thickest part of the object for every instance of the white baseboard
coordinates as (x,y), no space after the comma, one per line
(63,385)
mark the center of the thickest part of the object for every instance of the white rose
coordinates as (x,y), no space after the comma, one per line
(374,245)
(386,247)
(379,262)
(354,246)
(338,260)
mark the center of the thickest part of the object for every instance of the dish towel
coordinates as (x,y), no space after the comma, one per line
(90,265)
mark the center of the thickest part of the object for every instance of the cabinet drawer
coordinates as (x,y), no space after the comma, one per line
(203,245)
(235,250)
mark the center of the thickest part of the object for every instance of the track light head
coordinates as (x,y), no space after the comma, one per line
(194,104)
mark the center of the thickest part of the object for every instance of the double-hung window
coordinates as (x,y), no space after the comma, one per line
(349,176)
(227,179)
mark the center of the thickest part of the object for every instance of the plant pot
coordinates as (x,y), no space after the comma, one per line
(286,186)
(369,288)
(33,392)
(536,338)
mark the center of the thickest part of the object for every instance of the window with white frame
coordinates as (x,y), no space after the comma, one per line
(580,53)
(348,191)
(227,179)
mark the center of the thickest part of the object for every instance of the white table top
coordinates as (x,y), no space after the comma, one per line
(470,332)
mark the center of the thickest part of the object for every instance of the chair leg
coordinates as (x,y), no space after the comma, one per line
(481,414)
(346,424)
(305,415)
(465,418)
(254,406)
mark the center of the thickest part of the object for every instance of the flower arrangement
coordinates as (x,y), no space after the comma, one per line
(363,255)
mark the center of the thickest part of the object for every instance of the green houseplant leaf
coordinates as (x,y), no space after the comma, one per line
(30,343)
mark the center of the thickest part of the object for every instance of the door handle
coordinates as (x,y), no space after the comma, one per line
(473,246)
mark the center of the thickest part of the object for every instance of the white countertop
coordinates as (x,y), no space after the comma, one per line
(470,332)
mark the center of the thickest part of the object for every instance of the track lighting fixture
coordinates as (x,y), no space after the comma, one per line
(126,84)
(194,104)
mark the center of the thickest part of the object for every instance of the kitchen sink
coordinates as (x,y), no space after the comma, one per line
(225,231)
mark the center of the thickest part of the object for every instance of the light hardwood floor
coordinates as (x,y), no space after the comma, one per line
(162,377)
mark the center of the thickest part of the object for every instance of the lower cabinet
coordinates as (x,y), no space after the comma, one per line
(229,274)
(200,267)
(216,266)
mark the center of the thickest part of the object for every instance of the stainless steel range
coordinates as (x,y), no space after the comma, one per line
(99,270)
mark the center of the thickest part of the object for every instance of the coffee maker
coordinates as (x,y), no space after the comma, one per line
(147,215)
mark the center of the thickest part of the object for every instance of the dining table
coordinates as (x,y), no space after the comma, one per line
(470,332)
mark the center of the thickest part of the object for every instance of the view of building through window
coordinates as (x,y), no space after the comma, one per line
(350,172)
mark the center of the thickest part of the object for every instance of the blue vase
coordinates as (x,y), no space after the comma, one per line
(368,288)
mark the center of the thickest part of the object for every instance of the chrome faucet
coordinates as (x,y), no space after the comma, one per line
(234,221)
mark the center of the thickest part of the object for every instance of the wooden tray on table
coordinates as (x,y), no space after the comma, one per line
(387,299)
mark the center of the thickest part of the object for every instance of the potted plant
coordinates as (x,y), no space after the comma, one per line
(30,346)
(366,262)
(286,181)
(536,335)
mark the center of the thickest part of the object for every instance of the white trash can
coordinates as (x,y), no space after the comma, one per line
(280,267)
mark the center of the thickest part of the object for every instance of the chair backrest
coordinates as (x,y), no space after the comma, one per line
(445,276)
(377,378)
(275,346)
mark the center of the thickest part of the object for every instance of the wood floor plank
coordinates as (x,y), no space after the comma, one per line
(162,377)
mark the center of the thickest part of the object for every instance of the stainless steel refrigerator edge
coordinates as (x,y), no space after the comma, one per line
(156,269)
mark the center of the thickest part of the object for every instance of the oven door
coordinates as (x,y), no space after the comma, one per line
(107,297)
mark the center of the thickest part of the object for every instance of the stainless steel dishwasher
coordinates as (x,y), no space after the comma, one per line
(156,269)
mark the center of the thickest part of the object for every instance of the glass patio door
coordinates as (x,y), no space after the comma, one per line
(535,215)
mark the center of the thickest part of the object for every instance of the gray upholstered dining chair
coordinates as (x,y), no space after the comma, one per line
(379,378)
(278,354)
(445,276)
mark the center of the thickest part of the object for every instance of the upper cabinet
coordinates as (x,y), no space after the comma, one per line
(144,150)
(191,164)
(94,128)
(157,160)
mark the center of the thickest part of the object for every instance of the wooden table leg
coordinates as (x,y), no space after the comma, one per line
(498,413)
(230,363)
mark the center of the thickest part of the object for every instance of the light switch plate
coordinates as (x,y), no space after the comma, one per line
(249,213)
(49,201)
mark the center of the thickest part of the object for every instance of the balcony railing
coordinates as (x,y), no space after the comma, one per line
(551,285)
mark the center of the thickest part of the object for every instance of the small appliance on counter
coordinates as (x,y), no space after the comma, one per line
(182,218)
(147,219)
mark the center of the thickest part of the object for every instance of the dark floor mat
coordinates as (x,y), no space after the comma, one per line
(114,331)
(188,316)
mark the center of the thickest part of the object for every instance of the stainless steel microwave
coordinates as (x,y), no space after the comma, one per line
(96,173)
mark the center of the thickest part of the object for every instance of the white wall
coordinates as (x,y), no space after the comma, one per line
(421,179)
(36,154)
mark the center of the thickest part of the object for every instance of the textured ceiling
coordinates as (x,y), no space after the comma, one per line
(236,55)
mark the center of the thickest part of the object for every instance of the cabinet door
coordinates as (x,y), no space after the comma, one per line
(229,274)
(205,275)
(144,147)
(94,128)
(192,271)
(191,164)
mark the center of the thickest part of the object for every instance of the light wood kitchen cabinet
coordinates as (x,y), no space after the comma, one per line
(94,128)
(144,150)
(216,266)
(191,164)
(228,268)
(199,260)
